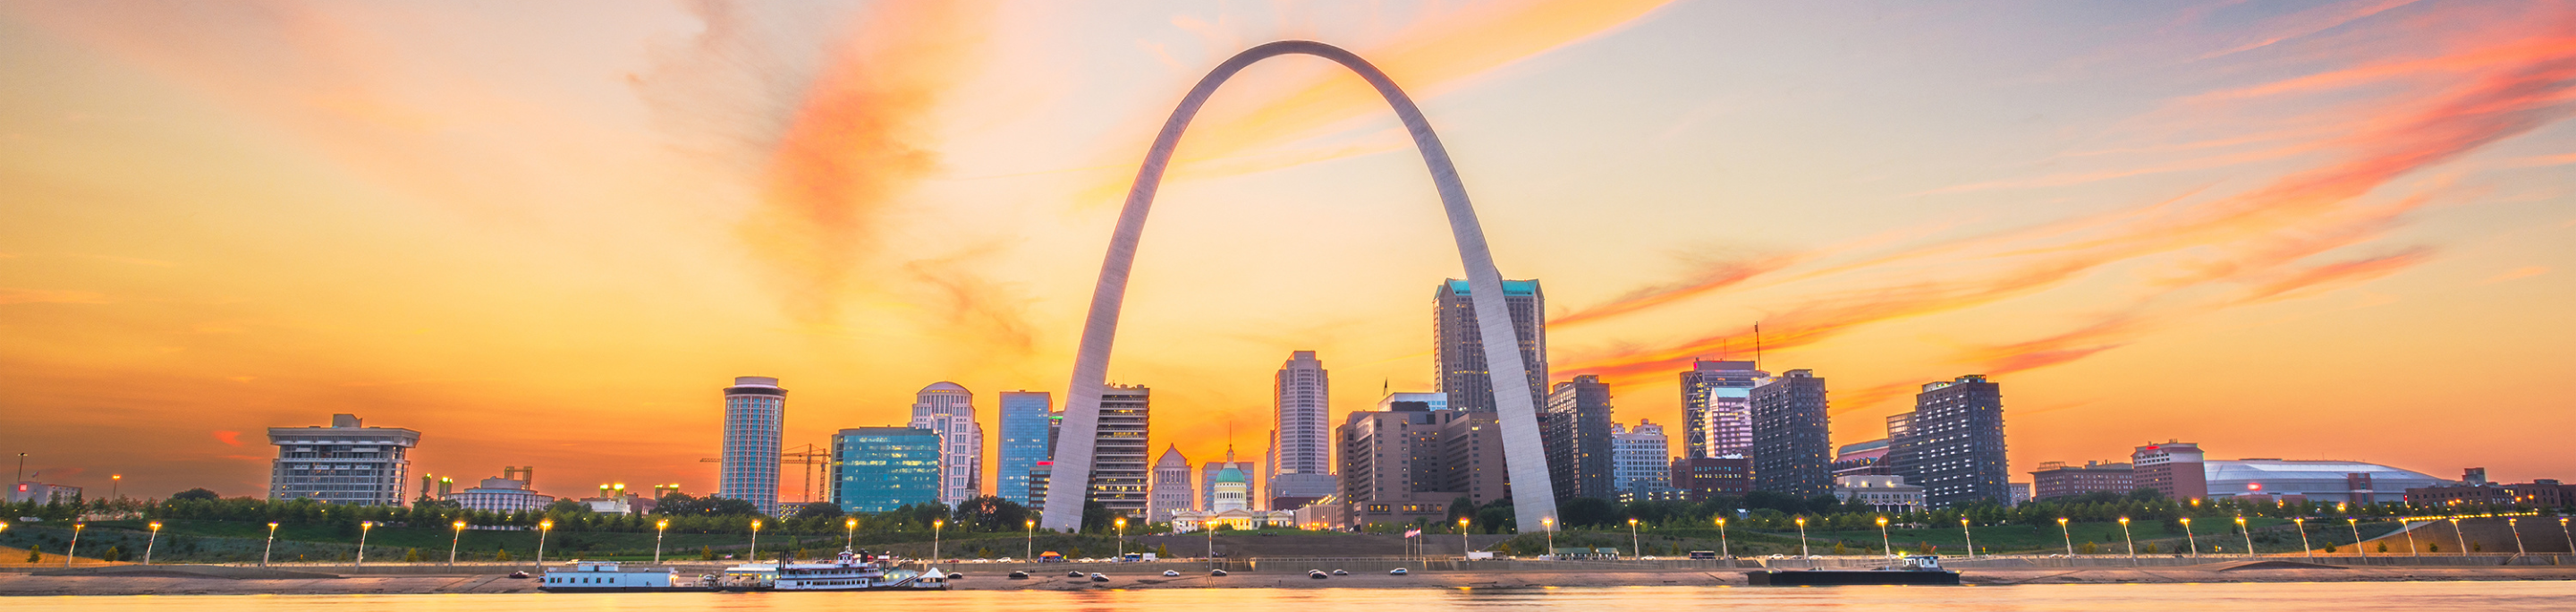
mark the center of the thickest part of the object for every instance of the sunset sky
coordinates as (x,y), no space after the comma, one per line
(548,233)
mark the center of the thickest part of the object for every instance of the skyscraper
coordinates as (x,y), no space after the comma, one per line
(1717,408)
(347,463)
(1576,428)
(1791,438)
(1952,444)
(1027,426)
(879,469)
(1172,490)
(755,416)
(1460,352)
(1120,477)
(949,409)
(1641,459)
(1301,447)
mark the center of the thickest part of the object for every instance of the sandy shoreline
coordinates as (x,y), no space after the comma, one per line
(33,585)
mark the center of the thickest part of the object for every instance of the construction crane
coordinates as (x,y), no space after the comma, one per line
(809,456)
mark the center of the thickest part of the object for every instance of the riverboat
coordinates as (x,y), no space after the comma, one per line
(1921,569)
(847,573)
(609,577)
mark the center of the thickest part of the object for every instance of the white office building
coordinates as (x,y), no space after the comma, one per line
(1640,459)
(346,463)
(949,410)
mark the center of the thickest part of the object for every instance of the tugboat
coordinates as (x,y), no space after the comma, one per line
(1919,569)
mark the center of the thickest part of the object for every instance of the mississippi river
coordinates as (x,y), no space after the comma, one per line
(2556,596)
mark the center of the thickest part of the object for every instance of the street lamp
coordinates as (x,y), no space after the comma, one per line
(1883,546)
(149,543)
(755,541)
(2356,535)
(2464,538)
(363,528)
(2515,525)
(452,540)
(271,545)
(2248,533)
(935,524)
(849,533)
(75,549)
(2302,522)
(1463,546)
(2133,542)
(1122,538)
(1971,538)
(659,527)
(2069,535)
(1632,538)
(115,482)
(2193,538)
(1803,553)
(1722,549)
(543,526)
(1548,524)
(1031,543)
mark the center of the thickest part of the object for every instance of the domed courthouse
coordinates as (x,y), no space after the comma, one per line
(1232,506)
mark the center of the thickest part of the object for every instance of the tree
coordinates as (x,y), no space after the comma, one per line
(113,554)
(2090,548)
(567,507)
(35,553)
(503,555)
(1463,507)
(990,513)
(1096,517)
(707,553)
(196,494)
(1587,512)
(2383,547)
(411,555)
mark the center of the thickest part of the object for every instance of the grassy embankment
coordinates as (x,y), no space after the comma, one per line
(2216,535)
(237,542)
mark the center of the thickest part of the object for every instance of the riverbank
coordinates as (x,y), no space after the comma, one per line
(178,580)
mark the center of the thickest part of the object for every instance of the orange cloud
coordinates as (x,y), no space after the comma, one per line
(1442,52)
(1710,277)
(2522,272)
(2246,237)
(229,438)
(49,296)
(861,138)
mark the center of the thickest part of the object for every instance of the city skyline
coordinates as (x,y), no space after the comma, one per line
(2275,209)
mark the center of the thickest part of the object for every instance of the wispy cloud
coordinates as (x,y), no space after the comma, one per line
(2517,273)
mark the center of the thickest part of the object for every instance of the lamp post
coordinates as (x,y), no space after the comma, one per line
(2069,535)
(452,540)
(2356,535)
(2464,538)
(2248,533)
(2515,525)
(363,528)
(849,533)
(1884,547)
(2562,532)
(1803,552)
(2302,522)
(2133,542)
(936,524)
(544,526)
(1031,543)
(75,548)
(1548,524)
(659,527)
(1971,538)
(1632,539)
(1723,550)
(755,541)
(1210,528)
(271,545)
(115,484)
(2193,538)
(149,543)
(1463,546)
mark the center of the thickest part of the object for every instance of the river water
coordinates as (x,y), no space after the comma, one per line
(2266,597)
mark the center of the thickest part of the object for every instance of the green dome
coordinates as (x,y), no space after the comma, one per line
(1229,474)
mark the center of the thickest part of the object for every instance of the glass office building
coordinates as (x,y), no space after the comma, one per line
(878,469)
(1026,428)
(755,416)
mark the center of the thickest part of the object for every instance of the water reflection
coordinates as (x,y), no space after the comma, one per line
(2276,597)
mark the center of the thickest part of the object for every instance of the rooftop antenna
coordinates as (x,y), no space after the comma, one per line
(1757,345)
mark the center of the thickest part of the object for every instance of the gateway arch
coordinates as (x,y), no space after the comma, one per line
(1533,500)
